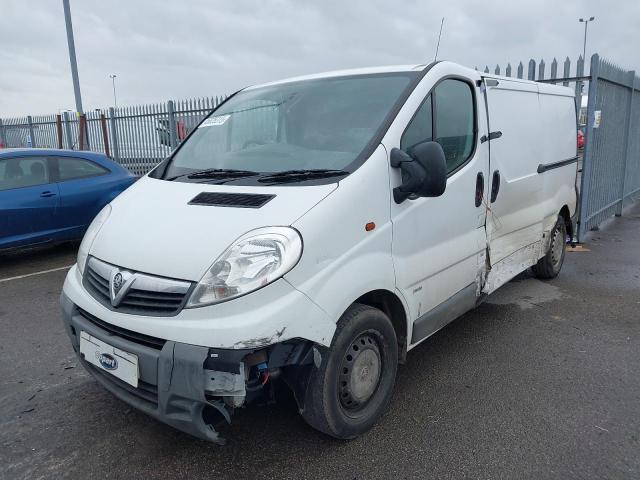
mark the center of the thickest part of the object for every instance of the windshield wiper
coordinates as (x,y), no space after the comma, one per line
(299,175)
(215,173)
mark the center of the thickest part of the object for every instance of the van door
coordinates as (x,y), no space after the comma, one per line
(514,219)
(439,243)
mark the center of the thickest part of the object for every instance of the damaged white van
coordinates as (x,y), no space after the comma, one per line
(310,232)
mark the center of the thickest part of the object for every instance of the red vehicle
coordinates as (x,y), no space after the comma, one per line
(580,140)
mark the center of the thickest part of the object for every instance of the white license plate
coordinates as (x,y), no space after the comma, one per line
(118,363)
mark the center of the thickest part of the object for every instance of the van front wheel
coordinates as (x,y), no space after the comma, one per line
(549,266)
(353,385)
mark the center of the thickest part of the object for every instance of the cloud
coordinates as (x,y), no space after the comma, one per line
(162,50)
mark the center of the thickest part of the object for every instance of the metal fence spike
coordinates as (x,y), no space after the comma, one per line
(554,69)
(531,72)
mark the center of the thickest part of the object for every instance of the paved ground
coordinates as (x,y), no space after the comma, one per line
(540,382)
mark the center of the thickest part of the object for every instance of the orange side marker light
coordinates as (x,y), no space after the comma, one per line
(369,226)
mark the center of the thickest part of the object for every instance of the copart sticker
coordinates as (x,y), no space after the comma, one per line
(214,121)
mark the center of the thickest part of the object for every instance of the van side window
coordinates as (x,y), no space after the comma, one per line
(454,121)
(420,129)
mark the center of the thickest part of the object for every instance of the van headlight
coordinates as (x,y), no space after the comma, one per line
(90,236)
(256,259)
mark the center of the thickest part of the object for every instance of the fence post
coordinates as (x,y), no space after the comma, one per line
(32,137)
(67,130)
(82,126)
(105,135)
(3,135)
(585,183)
(580,73)
(87,140)
(59,130)
(172,124)
(627,136)
(114,134)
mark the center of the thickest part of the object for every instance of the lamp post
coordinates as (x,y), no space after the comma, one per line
(584,45)
(72,56)
(113,82)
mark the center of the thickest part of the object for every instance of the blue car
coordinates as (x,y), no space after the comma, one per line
(49,196)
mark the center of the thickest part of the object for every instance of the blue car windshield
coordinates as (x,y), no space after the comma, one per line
(312,124)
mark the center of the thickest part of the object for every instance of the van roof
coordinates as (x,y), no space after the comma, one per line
(344,73)
(543,87)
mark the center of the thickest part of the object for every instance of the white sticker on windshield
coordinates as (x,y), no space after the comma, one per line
(214,121)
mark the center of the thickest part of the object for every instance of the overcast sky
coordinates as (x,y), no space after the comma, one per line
(182,48)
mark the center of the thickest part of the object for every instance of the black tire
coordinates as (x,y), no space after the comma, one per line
(345,402)
(550,265)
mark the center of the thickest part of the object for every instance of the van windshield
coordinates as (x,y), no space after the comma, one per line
(321,124)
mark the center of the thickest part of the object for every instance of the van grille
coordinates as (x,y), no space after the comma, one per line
(155,296)
(240,200)
(134,337)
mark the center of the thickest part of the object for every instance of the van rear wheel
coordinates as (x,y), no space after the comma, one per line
(549,266)
(353,385)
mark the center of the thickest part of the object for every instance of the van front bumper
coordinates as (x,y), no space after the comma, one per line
(171,385)
(182,385)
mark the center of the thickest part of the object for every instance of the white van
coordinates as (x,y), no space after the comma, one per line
(310,232)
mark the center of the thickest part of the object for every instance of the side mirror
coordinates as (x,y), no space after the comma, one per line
(424,172)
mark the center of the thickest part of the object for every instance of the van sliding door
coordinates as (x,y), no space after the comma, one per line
(514,220)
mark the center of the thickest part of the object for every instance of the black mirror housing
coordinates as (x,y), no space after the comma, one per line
(424,171)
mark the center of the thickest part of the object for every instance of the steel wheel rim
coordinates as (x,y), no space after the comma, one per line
(360,373)
(557,247)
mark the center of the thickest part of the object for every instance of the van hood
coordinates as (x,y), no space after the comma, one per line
(153,228)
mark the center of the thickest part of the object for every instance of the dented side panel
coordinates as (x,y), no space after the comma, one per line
(510,266)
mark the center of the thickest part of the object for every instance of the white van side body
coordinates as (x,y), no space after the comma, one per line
(435,259)
(424,262)
(538,124)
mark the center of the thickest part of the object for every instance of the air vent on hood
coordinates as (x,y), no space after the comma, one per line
(240,200)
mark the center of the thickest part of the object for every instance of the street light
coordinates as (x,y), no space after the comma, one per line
(113,81)
(72,56)
(584,45)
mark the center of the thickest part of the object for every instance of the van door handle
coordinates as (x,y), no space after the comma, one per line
(479,188)
(47,194)
(495,185)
